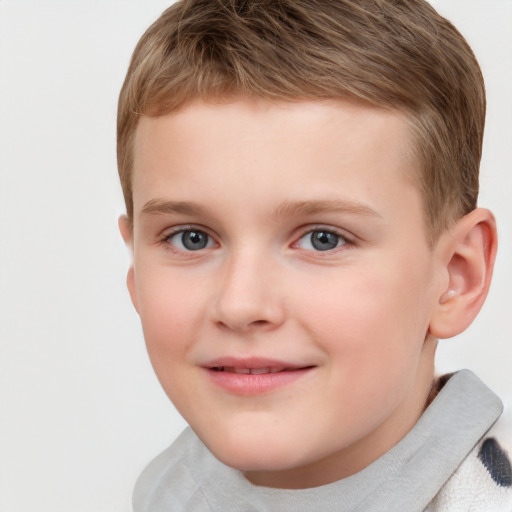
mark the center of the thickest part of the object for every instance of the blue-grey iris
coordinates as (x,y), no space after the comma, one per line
(194,240)
(324,240)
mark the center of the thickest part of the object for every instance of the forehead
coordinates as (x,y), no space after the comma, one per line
(258,112)
(253,145)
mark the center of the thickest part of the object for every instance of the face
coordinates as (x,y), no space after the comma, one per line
(284,281)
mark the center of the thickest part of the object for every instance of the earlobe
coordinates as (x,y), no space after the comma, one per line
(126,230)
(469,251)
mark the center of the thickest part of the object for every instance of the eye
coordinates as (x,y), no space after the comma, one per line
(190,240)
(321,240)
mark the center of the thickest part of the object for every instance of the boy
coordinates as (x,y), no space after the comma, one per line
(301,181)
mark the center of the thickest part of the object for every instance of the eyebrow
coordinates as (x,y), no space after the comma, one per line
(157,206)
(290,208)
(286,209)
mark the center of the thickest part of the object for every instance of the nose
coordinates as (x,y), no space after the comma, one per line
(249,296)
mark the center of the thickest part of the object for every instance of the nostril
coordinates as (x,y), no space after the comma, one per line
(259,324)
(253,325)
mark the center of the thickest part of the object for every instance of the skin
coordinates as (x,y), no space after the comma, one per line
(258,178)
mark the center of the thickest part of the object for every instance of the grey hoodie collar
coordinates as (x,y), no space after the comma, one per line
(405,479)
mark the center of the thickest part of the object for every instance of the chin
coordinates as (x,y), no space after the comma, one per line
(248,454)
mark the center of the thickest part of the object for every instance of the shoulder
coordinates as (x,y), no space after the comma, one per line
(483,481)
(168,482)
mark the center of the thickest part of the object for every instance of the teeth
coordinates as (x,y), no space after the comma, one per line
(239,370)
(257,371)
(246,371)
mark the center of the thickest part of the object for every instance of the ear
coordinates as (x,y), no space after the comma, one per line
(126,229)
(468,252)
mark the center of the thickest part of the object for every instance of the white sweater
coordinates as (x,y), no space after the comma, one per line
(483,481)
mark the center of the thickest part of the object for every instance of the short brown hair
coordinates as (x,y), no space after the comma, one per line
(398,54)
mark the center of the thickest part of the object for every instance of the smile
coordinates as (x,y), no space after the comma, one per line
(254,376)
(252,371)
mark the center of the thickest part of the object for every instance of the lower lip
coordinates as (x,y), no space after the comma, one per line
(255,384)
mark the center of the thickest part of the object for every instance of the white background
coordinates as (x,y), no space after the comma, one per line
(80,410)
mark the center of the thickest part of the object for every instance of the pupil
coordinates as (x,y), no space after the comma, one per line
(194,240)
(324,240)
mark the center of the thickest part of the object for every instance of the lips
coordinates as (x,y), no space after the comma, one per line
(253,376)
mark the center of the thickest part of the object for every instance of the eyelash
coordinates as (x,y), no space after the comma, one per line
(342,239)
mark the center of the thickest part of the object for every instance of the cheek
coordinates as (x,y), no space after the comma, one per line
(172,317)
(371,327)
(170,311)
(368,315)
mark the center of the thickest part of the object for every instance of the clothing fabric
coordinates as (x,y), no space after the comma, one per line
(449,462)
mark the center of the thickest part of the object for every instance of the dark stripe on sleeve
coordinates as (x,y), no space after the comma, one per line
(496,462)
